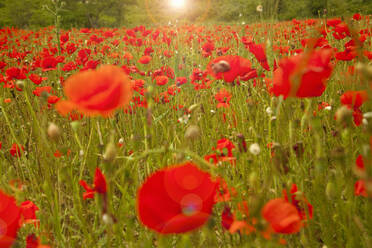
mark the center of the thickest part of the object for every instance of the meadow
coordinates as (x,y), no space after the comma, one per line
(185,135)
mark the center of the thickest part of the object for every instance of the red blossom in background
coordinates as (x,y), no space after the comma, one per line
(29,209)
(16,150)
(99,185)
(354,100)
(282,216)
(223,97)
(298,201)
(229,67)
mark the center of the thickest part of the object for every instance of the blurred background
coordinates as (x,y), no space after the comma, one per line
(118,13)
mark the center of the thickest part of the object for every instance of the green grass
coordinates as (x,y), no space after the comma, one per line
(341,219)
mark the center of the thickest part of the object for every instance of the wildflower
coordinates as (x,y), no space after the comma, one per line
(227,218)
(28,209)
(97,92)
(223,97)
(99,186)
(254,149)
(282,216)
(34,242)
(176,199)
(259,8)
(303,75)
(354,100)
(360,188)
(144,59)
(10,215)
(161,80)
(298,201)
(16,150)
(229,67)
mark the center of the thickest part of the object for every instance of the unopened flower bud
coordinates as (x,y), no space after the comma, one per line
(193,107)
(53,131)
(20,84)
(110,152)
(192,132)
(344,114)
(75,125)
(330,191)
(107,219)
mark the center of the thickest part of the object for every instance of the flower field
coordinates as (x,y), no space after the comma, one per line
(187,135)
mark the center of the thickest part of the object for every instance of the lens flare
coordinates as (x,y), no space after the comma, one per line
(177,4)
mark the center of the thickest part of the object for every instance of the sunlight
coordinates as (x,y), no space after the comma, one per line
(177,4)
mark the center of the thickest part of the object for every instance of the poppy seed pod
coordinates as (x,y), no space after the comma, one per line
(343,114)
(53,131)
(192,132)
(110,152)
(20,84)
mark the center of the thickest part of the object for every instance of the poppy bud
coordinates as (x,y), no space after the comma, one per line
(193,107)
(107,219)
(110,152)
(344,115)
(252,179)
(75,125)
(221,66)
(53,131)
(20,84)
(192,132)
(330,191)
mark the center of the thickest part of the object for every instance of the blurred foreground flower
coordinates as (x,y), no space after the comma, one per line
(176,199)
(97,92)
(282,216)
(10,215)
(303,75)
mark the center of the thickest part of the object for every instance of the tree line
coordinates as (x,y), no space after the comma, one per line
(117,13)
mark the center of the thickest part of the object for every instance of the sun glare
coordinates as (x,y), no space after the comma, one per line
(177,4)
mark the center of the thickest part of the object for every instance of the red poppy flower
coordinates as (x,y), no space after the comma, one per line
(303,75)
(10,215)
(144,59)
(100,185)
(282,216)
(16,150)
(359,162)
(29,209)
(360,188)
(258,51)
(229,67)
(176,199)
(227,218)
(49,63)
(299,202)
(223,97)
(357,17)
(354,100)
(161,80)
(97,92)
(34,242)
(36,79)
